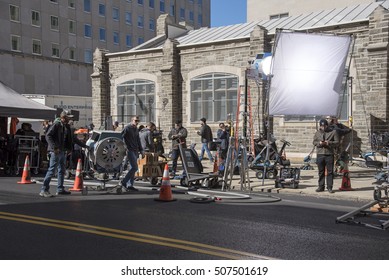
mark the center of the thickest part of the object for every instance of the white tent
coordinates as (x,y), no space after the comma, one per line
(13,104)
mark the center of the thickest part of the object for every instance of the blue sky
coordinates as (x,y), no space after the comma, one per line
(227,12)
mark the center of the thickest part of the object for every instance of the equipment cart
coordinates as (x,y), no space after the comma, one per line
(149,168)
(27,146)
(193,169)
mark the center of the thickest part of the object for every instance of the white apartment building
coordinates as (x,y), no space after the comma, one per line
(264,9)
(47,46)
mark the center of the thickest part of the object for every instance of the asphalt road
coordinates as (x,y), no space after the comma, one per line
(134,226)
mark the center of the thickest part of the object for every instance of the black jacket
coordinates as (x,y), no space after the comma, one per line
(60,136)
(130,136)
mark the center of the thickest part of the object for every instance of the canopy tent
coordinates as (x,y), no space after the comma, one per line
(13,104)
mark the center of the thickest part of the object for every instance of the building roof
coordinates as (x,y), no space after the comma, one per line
(320,19)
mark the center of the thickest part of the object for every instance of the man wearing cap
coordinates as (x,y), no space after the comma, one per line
(325,141)
(206,137)
(130,135)
(178,136)
(60,139)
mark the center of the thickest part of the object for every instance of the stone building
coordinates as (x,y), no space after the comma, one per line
(189,74)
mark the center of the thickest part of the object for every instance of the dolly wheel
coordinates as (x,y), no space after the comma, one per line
(259,174)
(271,174)
(154,181)
(119,190)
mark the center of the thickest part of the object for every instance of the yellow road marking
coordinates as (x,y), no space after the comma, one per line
(134,236)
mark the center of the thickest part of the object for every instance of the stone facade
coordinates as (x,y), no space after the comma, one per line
(173,66)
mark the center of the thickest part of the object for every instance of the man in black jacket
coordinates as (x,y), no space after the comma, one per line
(130,135)
(325,141)
(60,139)
(206,137)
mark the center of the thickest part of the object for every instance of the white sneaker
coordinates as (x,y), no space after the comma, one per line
(45,194)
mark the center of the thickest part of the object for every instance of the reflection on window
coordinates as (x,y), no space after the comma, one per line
(213,96)
(136,98)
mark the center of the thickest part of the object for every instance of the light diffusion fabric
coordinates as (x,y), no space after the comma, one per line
(307,73)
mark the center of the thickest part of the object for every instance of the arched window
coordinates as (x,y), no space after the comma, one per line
(136,98)
(213,96)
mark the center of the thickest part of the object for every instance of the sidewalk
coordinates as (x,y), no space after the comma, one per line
(361,178)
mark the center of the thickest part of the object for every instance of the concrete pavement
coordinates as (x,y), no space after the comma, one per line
(361,178)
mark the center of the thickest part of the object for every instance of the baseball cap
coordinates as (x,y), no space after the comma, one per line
(323,122)
(65,114)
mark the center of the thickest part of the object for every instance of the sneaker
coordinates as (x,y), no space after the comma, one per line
(330,191)
(320,189)
(45,194)
(132,189)
(63,192)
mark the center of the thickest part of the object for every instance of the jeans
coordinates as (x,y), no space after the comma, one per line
(323,162)
(175,155)
(55,160)
(205,148)
(129,179)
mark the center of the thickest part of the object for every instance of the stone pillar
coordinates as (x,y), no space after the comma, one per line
(101,94)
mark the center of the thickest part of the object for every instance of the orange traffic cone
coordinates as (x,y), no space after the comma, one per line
(346,183)
(26,177)
(79,181)
(165,191)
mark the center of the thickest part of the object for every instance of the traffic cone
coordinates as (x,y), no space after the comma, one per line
(26,177)
(346,183)
(79,180)
(165,191)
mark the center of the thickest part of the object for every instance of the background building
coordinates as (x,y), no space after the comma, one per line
(47,46)
(264,9)
(189,74)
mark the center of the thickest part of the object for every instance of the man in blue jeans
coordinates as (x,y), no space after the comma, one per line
(130,135)
(60,139)
(206,137)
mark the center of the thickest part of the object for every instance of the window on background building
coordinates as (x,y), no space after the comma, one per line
(140,2)
(72,4)
(87,6)
(200,19)
(191,16)
(102,10)
(36,46)
(128,41)
(102,34)
(116,38)
(55,50)
(141,40)
(88,56)
(140,21)
(151,4)
(14,13)
(162,6)
(54,23)
(152,24)
(213,96)
(16,42)
(128,18)
(87,30)
(136,98)
(172,9)
(115,14)
(182,13)
(35,18)
(72,27)
(200,2)
(279,16)
(72,54)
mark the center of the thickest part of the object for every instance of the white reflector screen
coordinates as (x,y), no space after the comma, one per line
(307,70)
